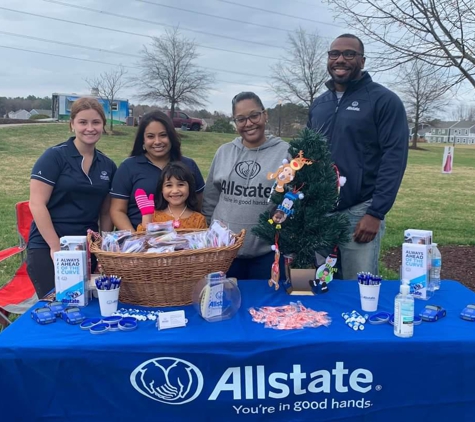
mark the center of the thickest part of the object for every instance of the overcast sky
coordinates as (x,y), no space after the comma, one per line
(254,33)
(260,36)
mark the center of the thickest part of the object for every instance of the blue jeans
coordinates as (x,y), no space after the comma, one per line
(357,257)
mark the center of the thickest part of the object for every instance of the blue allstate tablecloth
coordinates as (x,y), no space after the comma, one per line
(237,370)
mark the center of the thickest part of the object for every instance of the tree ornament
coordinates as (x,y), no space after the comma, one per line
(285,209)
(275,270)
(325,273)
(286,172)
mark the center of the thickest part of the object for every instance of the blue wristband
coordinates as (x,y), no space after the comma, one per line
(90,322)
(113,322)
(417,320)
(379,318)
(99,328)
(128,324)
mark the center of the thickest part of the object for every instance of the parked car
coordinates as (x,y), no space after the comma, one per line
(183,121)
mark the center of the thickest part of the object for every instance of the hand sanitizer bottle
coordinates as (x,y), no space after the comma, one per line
(404,312)
(436,264)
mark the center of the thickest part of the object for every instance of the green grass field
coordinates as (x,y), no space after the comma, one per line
(427,199)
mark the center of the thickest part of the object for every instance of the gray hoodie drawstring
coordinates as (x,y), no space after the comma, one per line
(252,167)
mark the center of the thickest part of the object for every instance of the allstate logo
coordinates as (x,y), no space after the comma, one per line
(247,169)
(168,380)
(354,104)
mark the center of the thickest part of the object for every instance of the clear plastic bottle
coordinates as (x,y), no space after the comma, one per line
(404,312)
(436,266)
(217,297)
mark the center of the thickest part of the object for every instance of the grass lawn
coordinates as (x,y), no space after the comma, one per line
(427,199)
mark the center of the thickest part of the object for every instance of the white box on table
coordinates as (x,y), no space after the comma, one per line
(71,276)
(416,268)
(77,243)
(421,237)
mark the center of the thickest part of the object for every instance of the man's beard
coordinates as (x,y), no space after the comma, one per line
(344,80)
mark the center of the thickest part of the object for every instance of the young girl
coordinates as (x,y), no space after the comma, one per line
(176,200)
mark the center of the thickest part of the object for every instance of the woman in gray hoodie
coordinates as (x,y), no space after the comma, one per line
(237,188)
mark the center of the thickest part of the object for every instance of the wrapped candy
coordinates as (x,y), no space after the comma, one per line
(289,317)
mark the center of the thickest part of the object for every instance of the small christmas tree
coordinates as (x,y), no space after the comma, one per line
(309,227)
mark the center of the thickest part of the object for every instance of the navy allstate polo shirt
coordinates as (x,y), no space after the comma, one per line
(140,173)
(77,197)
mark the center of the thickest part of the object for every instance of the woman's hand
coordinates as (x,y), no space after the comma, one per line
(53,250)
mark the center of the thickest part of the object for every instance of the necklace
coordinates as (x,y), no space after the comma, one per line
(176,221)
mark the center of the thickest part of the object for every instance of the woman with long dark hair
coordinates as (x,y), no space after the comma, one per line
(156,144)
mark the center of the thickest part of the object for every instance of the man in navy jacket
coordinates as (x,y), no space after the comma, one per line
(366,128)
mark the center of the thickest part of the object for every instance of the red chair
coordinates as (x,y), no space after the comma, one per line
(18,295)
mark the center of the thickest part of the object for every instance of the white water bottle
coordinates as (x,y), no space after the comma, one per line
(404,312)
(436,265)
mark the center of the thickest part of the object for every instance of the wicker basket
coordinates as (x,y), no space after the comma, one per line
(163,279)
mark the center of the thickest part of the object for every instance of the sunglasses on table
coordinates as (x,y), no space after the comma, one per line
(347,54)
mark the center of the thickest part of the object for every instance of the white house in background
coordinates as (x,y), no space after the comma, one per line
(424,129)
(461,132)
(207,123)
(41,111)
(20,114)
(464,132)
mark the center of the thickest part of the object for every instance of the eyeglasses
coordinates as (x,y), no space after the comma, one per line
(254,118)
(347,54)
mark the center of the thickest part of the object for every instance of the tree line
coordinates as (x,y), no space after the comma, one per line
(28,103)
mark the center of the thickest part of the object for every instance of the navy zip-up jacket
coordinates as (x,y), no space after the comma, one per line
(368,137)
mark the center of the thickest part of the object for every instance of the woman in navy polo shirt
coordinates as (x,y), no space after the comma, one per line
(156,144)
(69,191)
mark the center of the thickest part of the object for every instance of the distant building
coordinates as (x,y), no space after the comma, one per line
(461,132)
(61,107)
(40,111)
(424,129)
(207,123)
(20,114)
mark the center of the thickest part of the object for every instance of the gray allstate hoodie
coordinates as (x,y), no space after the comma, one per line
(237,188)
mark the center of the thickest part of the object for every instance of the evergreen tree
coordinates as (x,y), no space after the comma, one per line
(222,126)
(312,227)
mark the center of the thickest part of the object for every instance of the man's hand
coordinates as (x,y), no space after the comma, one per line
(366,229)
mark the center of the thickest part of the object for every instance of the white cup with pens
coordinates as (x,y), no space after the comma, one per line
(369,286)
(108,288)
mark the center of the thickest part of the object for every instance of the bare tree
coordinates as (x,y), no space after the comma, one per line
(438,32)
(422,88)
(300,73)
(108,86)
(463,111)
(168,73)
